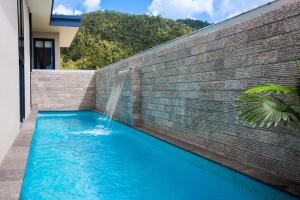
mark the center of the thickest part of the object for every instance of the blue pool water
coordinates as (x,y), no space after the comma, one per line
(79,155)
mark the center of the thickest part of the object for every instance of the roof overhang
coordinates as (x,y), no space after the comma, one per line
(65,20)
(44,21)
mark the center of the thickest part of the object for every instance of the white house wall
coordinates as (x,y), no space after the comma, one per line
(9,76)
(27,58)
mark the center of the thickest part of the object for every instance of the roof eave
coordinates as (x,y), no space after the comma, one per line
(65,20)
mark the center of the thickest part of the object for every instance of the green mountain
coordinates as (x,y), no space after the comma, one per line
(195,24)
(106,37)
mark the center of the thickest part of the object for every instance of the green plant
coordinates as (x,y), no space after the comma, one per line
(269,105)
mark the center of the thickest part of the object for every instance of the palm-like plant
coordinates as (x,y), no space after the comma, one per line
(266,105)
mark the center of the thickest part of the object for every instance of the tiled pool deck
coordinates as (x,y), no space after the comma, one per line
(13,166)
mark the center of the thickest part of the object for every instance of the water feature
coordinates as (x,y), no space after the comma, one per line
(116,92)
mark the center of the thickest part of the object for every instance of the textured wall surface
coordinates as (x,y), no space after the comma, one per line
(189,86)
(63,90)
(128,107)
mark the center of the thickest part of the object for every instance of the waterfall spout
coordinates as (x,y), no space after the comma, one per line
(116,92)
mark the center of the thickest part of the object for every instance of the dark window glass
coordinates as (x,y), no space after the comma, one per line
(44,54)
(48,50)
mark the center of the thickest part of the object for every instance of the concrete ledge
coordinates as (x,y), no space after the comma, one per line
(251,171)
(43,71)
(13,167)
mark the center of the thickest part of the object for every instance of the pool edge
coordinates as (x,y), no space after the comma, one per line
(13,166)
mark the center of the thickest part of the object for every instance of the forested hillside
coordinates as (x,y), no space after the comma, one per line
(195,24)
(106,37)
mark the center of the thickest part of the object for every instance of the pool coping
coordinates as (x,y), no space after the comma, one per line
(258,174)
(13,166)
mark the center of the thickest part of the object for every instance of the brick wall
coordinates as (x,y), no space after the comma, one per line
(63,90)
(188,87)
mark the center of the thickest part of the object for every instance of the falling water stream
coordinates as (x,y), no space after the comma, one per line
(116,92)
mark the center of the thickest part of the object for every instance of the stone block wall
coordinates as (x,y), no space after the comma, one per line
(128,107)
(63,90)
(188,87)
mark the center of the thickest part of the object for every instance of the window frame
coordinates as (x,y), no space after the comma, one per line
(34,51)
(22,103)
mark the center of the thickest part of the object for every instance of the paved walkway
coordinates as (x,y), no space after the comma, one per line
(13,167)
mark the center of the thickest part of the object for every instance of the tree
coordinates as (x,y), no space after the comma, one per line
(195,24)
(107,36)
(90,52)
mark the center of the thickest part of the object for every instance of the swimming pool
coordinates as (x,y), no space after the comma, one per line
(80,155)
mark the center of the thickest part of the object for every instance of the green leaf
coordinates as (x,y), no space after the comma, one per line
(271,89)
(298,64)
(264,111)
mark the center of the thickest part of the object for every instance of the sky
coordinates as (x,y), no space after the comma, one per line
(206,10)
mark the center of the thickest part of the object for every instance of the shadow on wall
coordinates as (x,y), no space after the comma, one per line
(88,101)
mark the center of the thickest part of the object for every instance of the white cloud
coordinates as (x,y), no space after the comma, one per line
(62,10)
(91,5)
(217,9)
(231,8)
(176,9)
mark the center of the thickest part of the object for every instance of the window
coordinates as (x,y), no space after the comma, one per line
(44,54)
